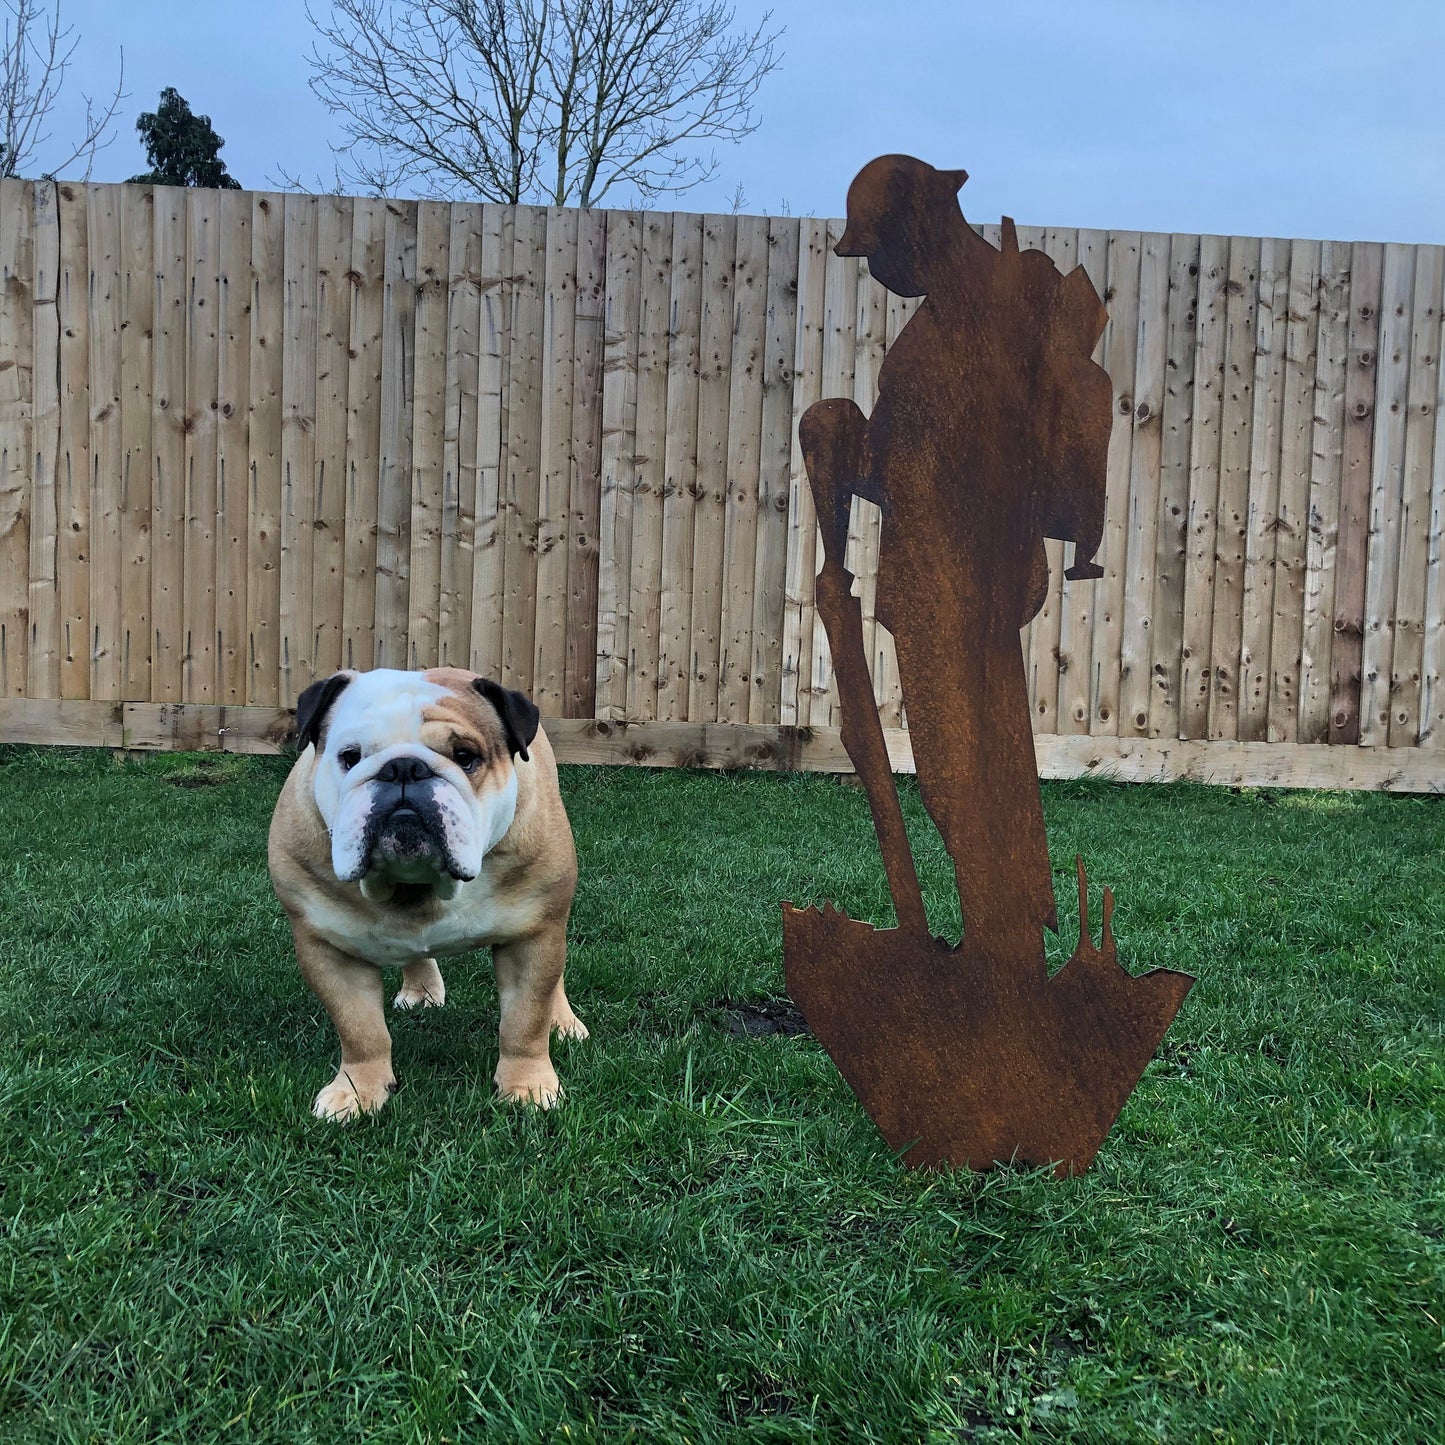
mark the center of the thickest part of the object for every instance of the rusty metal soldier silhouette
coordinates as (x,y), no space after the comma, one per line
(990,433)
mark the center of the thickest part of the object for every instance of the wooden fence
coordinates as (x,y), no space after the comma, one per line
(248,438)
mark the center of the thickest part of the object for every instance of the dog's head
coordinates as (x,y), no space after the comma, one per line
(415,773)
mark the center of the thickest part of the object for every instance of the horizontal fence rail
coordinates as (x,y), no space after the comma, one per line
(249,438)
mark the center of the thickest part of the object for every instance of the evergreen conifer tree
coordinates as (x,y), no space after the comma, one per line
(182,147)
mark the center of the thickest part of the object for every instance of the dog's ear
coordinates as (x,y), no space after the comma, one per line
(520,718)
(313,705)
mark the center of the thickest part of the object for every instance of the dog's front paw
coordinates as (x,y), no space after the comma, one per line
(527,1082)
(350,1094)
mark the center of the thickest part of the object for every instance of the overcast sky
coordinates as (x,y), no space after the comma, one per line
(1247,117)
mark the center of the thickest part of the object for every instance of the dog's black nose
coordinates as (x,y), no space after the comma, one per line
(404,770)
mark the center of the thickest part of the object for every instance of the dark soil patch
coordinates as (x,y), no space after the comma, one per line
(979,1425)
(760,1396)
(207,770)
(760,1018)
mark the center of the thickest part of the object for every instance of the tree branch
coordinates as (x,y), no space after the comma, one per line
(35,54)
(485,98)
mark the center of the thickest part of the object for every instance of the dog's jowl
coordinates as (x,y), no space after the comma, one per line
(422,819)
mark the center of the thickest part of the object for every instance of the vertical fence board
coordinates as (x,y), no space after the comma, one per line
(1326,481)
(263,440)
(203,284)
(106,648)
(1361,380)
(233,384)
(485,644)
(336,284)
(398,403)
(1292,524)
(1145,461)
(17,280)
(299,401)
(1205,441)
(584,509)
(1232,512)
(621,330)
(73,479)
(549,661)
(1262,515)
(426,475)
(168,443)
(523,479)
(137,333)
(459,438)
(363,433)
(1432,694)
(1121,340)
(775,463)
(711,489)
(748,360)
(679,504)
(1171,549)
(43,603)
(644,607)
(1387,482)
(1407,657)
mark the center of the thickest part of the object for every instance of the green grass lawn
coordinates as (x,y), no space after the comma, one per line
(708,1240)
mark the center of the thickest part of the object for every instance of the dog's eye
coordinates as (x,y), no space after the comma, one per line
(348,758)
(466,759)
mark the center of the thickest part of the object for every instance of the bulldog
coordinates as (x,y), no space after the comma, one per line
(423,819)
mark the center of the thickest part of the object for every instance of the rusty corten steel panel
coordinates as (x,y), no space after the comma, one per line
(990,433)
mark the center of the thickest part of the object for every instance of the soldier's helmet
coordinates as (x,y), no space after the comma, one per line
(894,204)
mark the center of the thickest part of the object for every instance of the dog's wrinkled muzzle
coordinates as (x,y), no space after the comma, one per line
(405,823)
(402,824)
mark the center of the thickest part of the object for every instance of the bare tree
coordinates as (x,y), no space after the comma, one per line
(35,54)
(537,100)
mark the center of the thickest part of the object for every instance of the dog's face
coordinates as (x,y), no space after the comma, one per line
(415,773)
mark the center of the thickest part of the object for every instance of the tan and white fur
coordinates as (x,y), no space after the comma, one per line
(422,819)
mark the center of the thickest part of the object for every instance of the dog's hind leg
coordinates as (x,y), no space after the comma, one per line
(421,986)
